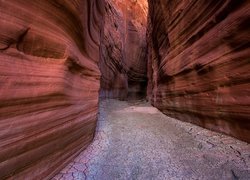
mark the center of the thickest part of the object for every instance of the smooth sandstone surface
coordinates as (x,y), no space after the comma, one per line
(198,62)
(49,81)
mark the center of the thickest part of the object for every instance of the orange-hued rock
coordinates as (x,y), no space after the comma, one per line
(199,68)
(123,61)
(49,83)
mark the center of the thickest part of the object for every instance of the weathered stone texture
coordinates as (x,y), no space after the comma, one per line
(49,83)
(199,68)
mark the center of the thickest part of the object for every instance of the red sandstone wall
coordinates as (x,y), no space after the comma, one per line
(49,83)
(123,60)
(199,66)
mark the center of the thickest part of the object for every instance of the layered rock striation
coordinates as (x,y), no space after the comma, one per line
(198,67)
(123,61)
(49,79)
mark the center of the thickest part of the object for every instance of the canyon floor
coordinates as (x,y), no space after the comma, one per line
(136,141)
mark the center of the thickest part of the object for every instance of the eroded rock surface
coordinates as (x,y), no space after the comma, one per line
(199,62)
(49,83)
(123,61)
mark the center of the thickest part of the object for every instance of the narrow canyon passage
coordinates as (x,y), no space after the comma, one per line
(136,141)
(65,64)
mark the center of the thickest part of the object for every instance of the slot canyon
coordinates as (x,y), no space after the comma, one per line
(124,89)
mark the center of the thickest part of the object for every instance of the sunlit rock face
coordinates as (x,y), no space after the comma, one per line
(199,68)
(49,83)
(123,58)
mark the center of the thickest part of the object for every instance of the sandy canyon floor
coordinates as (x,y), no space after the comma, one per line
(136,141)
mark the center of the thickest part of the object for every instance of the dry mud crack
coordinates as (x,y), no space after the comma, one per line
(136,141)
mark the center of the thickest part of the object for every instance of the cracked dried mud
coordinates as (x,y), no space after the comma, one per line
(136,141)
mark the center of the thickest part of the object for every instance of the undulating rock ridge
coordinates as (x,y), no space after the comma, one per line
(123,60)
(49,83)
(199,66)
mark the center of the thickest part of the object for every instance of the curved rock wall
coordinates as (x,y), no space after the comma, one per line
(199,68)
(49,83)
(123,60)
